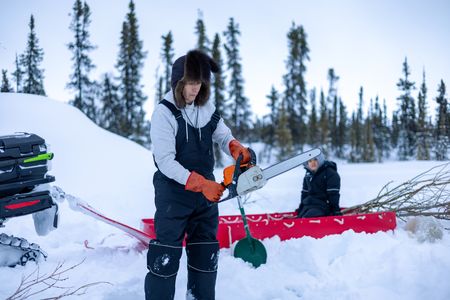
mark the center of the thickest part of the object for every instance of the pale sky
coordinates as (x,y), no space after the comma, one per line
(365,42)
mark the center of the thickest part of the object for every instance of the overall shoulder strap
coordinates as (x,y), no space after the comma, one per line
(215,118)
(176,112)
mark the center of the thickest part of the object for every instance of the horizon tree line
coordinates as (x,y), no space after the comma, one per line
(299,116)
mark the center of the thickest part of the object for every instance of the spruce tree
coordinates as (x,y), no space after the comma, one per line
(368,145)
(407,113)
(273,105)
(387,131)
(80,83)
(218,84)
(18,75)
(332,82)
(110,105)
(256,133)
(334,117)
(395,131)
(332,103)
(341,130)
(159,89)
(268,136)
(218,92)
(357,131)
(442,125)
(378,131)
(238,104)
(313,129)
(353,138)
(30,64)
(360,125)
(295,85)
(129,66)
(423,130)
(167,55)
(146,140)
(323,124)
(283,134)
(203,42)
(5,87)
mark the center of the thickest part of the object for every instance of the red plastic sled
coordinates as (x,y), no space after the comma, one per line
(286,226)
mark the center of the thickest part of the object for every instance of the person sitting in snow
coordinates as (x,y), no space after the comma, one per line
(320,193)
(184,126)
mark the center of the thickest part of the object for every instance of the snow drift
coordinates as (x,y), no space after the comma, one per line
(115,176)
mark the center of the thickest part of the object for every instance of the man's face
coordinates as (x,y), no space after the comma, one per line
(191,90)
(313,164)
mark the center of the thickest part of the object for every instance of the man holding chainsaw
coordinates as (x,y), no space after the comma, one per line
(184,126)
(320,193)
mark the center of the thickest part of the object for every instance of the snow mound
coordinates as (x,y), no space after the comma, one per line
(91,163)
(425,229)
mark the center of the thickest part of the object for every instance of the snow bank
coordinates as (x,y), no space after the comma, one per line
(115,176)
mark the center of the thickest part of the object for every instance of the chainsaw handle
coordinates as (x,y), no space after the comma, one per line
(232,185)
(252,157)
(237,168)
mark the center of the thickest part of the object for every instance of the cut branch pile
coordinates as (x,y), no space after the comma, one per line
(427,194)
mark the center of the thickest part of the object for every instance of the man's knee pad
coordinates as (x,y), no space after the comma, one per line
(203,256)
(163,260)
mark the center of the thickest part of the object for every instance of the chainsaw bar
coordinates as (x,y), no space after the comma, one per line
(289,164)
(254,178)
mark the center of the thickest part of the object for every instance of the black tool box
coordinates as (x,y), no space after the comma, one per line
(21,145)
(24,163)
(24,189)
(21,169)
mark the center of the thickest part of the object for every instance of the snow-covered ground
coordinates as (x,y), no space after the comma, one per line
(114,175)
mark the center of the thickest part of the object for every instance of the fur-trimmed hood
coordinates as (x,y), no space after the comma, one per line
(194,66)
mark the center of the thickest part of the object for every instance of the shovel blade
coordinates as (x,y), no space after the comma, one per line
(251,250)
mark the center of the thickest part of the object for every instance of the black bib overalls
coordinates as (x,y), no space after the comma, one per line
(181,213)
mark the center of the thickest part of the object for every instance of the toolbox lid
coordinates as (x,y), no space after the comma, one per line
(20,145)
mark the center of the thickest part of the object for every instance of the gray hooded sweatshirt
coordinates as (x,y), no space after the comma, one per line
(164,129)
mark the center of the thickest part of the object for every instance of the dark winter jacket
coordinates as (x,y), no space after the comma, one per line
(321,189)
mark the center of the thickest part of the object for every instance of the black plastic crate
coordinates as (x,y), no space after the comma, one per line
(19,170)
(21,145)
(23,186)
(24,204)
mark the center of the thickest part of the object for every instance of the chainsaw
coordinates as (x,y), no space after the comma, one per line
(241,179)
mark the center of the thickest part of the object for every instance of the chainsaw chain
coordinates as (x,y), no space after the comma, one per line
(30,251)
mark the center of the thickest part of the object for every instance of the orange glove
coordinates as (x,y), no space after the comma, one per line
(236,148)
(210,189)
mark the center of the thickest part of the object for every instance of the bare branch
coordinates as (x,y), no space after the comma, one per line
(427,194)
(35,283)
